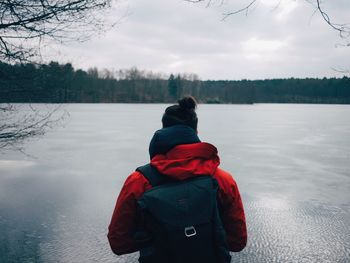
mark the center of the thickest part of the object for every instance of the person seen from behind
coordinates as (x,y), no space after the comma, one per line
(181,207)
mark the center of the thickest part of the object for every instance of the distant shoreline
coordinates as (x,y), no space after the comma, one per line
(57,83)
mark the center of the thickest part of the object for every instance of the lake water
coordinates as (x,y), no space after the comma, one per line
(291,162)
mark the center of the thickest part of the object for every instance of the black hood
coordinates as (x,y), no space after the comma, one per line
(165,139)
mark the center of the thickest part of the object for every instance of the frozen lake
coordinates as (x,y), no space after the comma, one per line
(291,163)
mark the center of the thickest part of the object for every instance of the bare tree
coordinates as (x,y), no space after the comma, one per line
(18,123)
(25,24)
(342,28)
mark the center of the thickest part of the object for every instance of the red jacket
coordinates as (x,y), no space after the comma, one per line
(181,162)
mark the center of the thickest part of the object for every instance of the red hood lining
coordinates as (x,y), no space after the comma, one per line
(187,160)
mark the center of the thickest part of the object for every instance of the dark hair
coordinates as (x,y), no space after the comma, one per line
(183,113)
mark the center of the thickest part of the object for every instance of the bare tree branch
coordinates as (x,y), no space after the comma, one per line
(195,1)
(23,27)
(22,122)
(344,71)
(21,22)
(209,2)
(343,29)
(244,9)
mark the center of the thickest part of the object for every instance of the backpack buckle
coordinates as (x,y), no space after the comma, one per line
(190,231)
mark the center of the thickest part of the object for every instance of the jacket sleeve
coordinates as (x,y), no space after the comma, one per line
(232,211)
(124,219)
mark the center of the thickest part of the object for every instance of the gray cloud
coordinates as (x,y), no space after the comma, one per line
(177,36)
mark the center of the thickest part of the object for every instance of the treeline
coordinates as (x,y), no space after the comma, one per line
(61,83)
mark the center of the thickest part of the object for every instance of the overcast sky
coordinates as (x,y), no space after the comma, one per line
(272,41)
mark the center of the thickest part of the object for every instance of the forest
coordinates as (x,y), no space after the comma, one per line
(61,83)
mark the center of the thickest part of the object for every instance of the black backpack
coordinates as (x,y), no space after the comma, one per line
(182,221)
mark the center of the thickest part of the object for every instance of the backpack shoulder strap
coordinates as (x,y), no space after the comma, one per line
(152,175)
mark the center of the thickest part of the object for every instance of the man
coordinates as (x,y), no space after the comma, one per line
(177,153)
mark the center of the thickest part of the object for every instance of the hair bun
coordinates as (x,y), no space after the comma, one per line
(187,103)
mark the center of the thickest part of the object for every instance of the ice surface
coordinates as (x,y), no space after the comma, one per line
(291,162)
